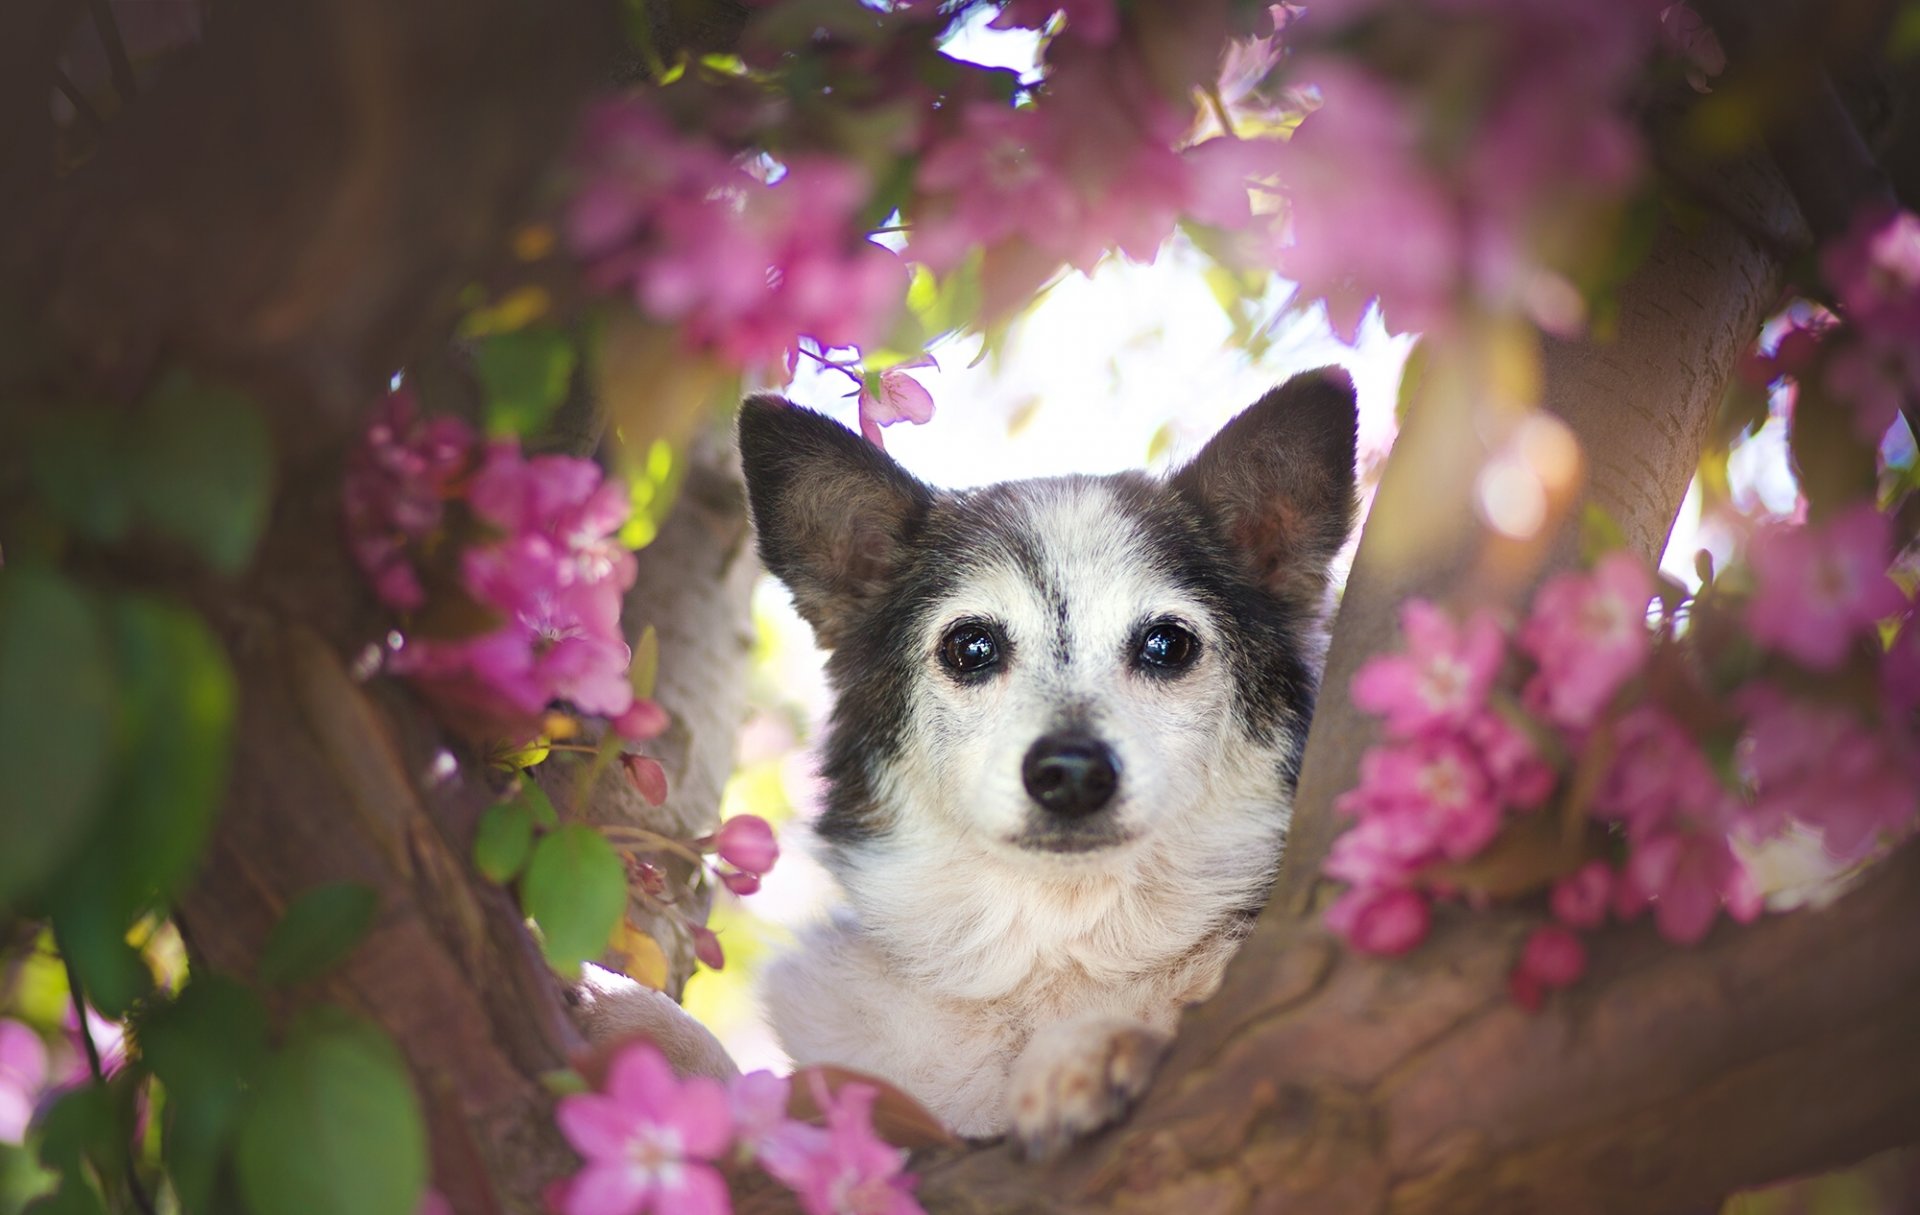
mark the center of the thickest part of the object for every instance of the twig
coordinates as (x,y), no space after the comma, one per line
(78,996)
(78,100)
(116,48)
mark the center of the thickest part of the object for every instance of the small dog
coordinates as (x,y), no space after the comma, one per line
(1059,768)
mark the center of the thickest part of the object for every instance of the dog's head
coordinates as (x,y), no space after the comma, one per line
(1059,669)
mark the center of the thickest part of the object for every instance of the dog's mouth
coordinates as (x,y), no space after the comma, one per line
(1070,839)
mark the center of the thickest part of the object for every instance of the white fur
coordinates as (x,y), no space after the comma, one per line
(957,944)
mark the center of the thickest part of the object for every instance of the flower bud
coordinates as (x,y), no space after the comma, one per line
(746,842)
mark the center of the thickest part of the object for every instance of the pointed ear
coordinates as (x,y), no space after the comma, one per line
(1279,481)
(833,512)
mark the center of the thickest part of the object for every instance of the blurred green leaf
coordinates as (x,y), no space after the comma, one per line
(21,1178)
(575,888)
(80,464)
(205,470)
(333,1125)
(204,1046)
(57,717)
(93,941)
(538,804)
(75,1196)
(317,932)
(175,723)
(524,375)
(505,837)
(81,1128)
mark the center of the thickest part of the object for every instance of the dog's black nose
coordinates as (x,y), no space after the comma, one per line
(1070,774)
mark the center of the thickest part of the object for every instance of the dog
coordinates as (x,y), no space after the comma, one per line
(1068,720)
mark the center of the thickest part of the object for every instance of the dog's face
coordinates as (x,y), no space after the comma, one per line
(1059,669)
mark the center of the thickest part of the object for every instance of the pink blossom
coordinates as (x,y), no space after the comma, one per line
(843,1168)
(1552,958)
(646,776)
(1820,765)
(894,396)
(555,578)
(1694,40)
(647,1140)
(397,482)
(433,1202)
(23,1077)
(1441,678)
(744,266)
(1580,899)
(1588,633)
(706,947)
(1386,922)
(1875,372)
(746,842)
(742,884)
(1435,789)
(644,720)
(1819,588)
(758,1105)
(991,180)
(1875,267)
(1657,773)
(1900,668)
(1519,777)
(1687,877)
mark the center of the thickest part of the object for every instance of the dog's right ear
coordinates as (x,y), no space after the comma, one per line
(834,512)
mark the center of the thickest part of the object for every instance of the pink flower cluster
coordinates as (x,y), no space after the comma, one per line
(531,550)
(1388,199)
(651,1142)
(744,262)
(1875,273)
(1094,165)
(1454,772)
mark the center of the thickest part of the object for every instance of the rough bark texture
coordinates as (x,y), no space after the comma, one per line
(1319,1081)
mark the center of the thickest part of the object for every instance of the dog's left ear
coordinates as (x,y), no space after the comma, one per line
(1279,481)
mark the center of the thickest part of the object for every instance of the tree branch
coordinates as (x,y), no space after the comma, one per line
(1321,1081)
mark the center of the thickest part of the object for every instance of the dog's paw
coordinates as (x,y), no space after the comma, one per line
(1076,1077)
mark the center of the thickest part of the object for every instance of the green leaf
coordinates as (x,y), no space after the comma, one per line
(333,1125)
(575,888)
(317,932)
(538,804)
(80,1129)
(176,724)
(75,1196)
(205,468)
(93,941)
(204,1046)
(56,717)
(524,375)
(81,468)
(505,837)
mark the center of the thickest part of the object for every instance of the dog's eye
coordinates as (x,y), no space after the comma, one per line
(1168,647)
(969,649)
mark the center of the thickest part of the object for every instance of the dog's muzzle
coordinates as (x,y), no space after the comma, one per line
(1071,775)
